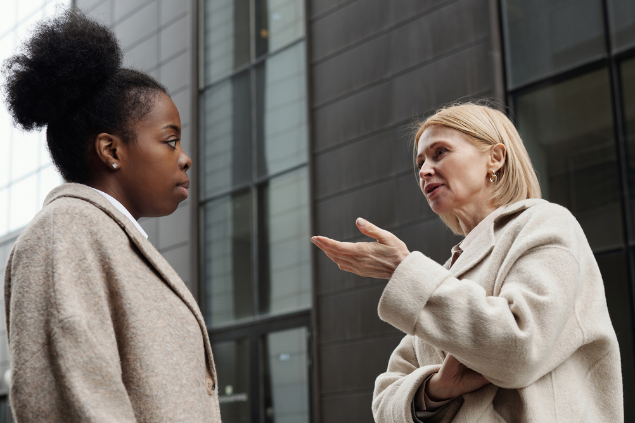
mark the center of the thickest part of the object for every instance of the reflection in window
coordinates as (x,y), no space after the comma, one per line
(282,111)
(622,23)
(615,278)
(232,366)
(227,135)
(228,269)
(627,71)
(285,256)
(280,22)
(568,131)
(543,37)
(226,37)
(286,377)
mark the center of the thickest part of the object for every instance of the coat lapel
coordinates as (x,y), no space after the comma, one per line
(484,243)
(155,258)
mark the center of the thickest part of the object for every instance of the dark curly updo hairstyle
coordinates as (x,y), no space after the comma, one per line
(68,78)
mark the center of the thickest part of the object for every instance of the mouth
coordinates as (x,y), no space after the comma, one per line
(431,189)
(184,187)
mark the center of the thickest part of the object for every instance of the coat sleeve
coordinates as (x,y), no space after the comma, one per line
(63,347)
(512,339)
(395,389)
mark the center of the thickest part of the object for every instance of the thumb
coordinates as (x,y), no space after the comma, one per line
(373,231)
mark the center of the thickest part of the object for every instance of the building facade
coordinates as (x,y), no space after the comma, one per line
(298,115)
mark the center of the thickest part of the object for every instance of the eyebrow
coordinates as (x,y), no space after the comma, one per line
(172,126)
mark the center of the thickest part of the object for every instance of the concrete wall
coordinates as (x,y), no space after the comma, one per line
(376,66)
(158,37)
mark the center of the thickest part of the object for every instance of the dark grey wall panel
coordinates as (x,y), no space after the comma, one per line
(362,19)
(377,67)
(320,8)
(355,366)
(365,161)
(388,204)
(356,317)
(348,408)
(401,99)
(433,35)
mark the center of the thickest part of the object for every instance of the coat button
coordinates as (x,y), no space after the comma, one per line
(210,385)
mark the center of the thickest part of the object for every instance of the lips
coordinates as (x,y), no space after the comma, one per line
(431,189)
(184,187)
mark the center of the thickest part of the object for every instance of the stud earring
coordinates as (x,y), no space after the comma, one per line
(114,165)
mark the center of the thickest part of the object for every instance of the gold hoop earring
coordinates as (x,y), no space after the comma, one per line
(493,178)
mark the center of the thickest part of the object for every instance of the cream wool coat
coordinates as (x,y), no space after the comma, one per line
(524,305)
(101,328)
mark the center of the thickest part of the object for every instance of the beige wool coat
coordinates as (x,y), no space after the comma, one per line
(524,305)
(100,327)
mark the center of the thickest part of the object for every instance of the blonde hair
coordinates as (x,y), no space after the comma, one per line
(486,127)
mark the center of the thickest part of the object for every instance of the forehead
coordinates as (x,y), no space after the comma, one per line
(162,113)
(439,134)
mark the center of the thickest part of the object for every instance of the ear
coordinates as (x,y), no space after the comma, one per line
(498,154)
(110,150)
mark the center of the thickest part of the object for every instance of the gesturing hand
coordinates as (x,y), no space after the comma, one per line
(370,259)
(453,379)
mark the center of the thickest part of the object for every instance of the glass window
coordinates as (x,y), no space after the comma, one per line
(233,369)
(4,211)
(49,179)
(627,71)
(227,135)
(285,281)
(622,22)
(228,268)
(24,153)
(282,107)
(23,202)
(227,36)
(617,291)
(286,377)
(279,23)
(568,131)
(543,37)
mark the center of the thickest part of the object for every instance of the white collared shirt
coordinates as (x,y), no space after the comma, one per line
(122,209)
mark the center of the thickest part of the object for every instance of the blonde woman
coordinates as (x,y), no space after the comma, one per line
(514,326)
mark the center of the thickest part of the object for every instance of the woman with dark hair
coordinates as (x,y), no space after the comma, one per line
(100,327)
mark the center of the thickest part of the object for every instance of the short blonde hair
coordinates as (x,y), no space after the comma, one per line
(485,127)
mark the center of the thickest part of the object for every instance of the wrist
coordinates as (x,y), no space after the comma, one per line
(436,391)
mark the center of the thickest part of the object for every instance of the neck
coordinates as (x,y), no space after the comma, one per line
(469,219)
(117,193)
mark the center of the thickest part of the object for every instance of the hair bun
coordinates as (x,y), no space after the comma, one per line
(66,59)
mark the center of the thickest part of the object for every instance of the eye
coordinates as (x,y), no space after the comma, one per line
(172,143)
(439,152)
(420,164)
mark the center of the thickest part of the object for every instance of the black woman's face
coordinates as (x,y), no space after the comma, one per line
(155,170)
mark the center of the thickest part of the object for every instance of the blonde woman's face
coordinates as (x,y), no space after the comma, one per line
(453,173)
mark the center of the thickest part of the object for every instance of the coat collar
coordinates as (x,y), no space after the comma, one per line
(155,258)
(485,241)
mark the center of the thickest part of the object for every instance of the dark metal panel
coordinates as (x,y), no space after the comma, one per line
(356,315)
(399,100)
(389,204)
(348,408)
(366,161)
(433,35)
(354,366)
(363,19)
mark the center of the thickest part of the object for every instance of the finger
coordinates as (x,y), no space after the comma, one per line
(327,244)
(375,232)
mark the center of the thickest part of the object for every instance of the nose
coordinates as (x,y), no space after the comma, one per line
(185,162)
(426,170)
